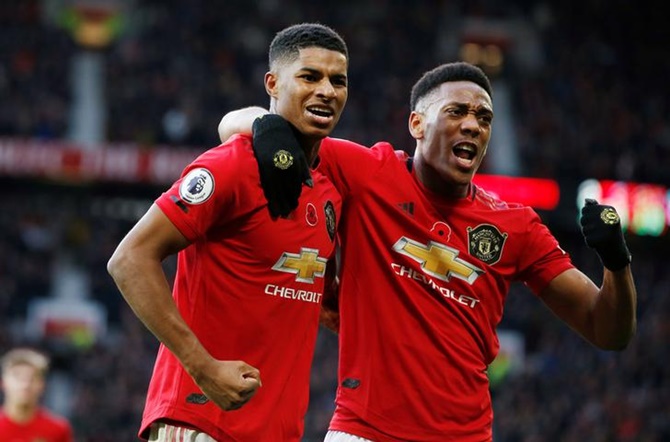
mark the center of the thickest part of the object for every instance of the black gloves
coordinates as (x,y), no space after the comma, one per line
(601,228)
(281,162)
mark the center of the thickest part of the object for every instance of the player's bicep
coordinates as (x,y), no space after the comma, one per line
(572,297)
(154,236)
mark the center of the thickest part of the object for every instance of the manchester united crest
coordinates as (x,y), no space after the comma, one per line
(331,220)
(486,243)
(282,159)
(609,216)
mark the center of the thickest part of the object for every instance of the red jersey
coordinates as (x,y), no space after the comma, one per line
(43,427)
(422,289)
(250,288)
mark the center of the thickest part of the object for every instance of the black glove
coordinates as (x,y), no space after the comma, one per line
(601,228)
(281,162)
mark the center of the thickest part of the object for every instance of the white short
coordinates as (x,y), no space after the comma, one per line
(338,436)
(161,432)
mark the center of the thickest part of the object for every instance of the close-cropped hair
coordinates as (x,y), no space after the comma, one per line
(25,356)
(448,72)
(288,42)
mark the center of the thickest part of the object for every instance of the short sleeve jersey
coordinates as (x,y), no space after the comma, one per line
(250,288)
(45,427)
(422,288)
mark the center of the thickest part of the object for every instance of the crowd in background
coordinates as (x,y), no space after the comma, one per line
(596,106)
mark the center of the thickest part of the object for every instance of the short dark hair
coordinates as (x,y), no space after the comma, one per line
(456,71)
(288,42)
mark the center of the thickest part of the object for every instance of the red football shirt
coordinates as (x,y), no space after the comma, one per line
(423,285)
(250,288)
(44,427)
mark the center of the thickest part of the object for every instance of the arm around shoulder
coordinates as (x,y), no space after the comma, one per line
(239,121)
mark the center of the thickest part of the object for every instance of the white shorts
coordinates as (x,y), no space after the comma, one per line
(338,436)
(162,432)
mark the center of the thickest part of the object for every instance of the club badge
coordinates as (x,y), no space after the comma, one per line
(282,159)
(609,216)
(331,219)
(486,243)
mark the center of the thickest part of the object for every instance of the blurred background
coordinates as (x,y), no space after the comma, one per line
(102,103)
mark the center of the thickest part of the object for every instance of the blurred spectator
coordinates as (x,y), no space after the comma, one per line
(23,418)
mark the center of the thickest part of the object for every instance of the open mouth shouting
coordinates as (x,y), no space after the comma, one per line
(322,115)
(465,154)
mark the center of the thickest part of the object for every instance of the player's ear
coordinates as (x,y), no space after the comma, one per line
(271,84)
(415,124)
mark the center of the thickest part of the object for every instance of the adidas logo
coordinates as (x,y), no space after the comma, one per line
(407,207)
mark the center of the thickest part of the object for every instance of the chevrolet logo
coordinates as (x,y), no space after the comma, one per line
(438,260)
(306,265)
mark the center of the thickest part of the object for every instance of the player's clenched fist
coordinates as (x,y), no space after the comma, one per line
(229,384)
(602,232)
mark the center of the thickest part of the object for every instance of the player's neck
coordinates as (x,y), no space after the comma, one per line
(20,413)
(431,180)
(312,153)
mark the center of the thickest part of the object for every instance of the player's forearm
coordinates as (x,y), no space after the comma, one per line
(615,310)
(146,290)
(239,121)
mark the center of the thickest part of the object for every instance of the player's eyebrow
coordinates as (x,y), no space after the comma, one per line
(319,72)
